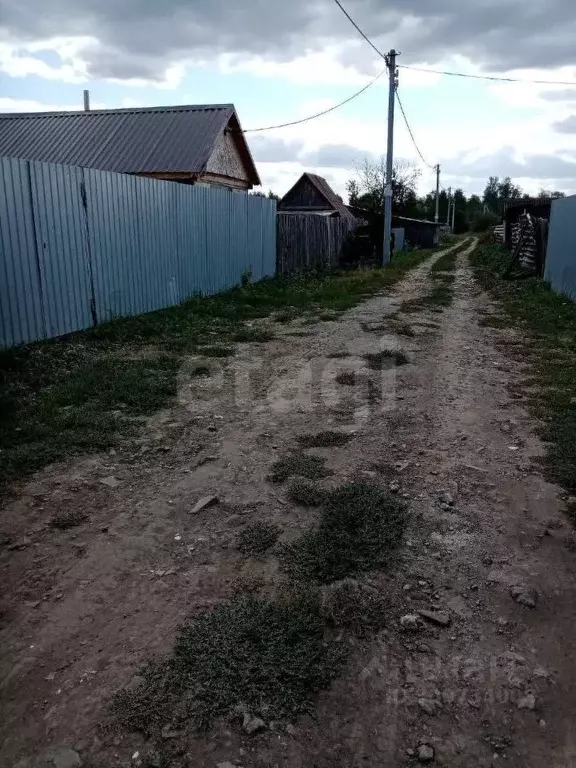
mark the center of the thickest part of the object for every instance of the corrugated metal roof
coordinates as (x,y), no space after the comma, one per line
(144,140)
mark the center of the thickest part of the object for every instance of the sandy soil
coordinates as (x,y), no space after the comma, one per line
(83,608)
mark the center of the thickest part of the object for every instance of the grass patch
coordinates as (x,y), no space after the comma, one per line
(268,658)
(69,519)
(377,361)
(325,439)
(255,335)
(57,396)
(306,494)
(355,606)
(548,319)
(403,329)
(339,355)
(299,465)
(361,527)
(494,321)
(346,378)
(216,351)
(257,538)
(200,370)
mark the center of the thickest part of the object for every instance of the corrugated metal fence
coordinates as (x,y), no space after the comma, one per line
(79,246)
(561,252)
(309,241)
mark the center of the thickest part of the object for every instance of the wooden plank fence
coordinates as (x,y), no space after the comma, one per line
(308,241)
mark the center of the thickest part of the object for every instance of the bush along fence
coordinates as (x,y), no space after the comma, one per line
(79,247)
(310,241)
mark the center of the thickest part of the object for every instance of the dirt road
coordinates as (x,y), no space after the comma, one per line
(488,682)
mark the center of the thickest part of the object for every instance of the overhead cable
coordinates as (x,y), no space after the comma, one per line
(364,35)
(410,131)
(318,114)
(486,77)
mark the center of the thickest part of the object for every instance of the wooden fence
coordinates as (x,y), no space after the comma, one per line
(309,241)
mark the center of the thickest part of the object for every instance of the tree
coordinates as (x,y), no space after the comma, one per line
(554,194)
(270,196)
(491,193)
(367,190)
(353,192)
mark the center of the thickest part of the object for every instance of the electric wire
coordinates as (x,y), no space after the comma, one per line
(318,114)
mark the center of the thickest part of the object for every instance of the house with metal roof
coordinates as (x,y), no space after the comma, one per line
(196,144)
(312,194)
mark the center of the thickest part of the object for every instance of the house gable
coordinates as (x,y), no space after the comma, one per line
(304,195)
(226,160)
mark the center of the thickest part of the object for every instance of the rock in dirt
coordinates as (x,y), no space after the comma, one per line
(410,622)
(252,725)
(394,486)
(227,764)
(447,498)
(428,705)
(425,753)
(203,503)
(111,481)
(524,596)
(64,757)
(527,702)
(20,544)
(436,617)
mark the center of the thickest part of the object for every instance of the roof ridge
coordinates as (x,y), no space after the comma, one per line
(119,110)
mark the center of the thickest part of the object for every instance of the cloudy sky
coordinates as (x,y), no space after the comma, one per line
(278,61)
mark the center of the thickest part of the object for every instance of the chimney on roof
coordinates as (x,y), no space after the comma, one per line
(86,101)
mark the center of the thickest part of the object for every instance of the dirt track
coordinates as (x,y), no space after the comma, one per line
(83,608)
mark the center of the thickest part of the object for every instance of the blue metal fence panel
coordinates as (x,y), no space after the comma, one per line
(561,251)
(62,242)
(21,315)
(114,236)
(81,246)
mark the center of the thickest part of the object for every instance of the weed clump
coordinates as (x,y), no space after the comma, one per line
(325,439)
(379,360)
(250,655)
(299,464)
(361,527)
(306,494)
(255,539)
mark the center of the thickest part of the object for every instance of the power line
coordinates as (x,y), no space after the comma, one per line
(487,77)
(319,114)
(410,131)
(364,35)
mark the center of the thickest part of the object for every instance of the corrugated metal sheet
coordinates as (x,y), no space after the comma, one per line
(79,245)
(155,139)
(560,267)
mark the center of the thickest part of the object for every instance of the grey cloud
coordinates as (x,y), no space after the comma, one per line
(568,125)
(270,150)
(267,149)
(502,163)
(143,38)
(336,156)
(566,94)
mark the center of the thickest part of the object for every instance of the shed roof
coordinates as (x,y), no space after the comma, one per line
(143,140)
(327,193)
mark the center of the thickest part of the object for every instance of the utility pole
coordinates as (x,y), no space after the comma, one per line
(449,200)
(453,213)
(436,215)
(386,250)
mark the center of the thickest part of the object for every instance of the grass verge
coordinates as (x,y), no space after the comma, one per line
(80,393)
(250,656)
(361,526)
(549,320)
